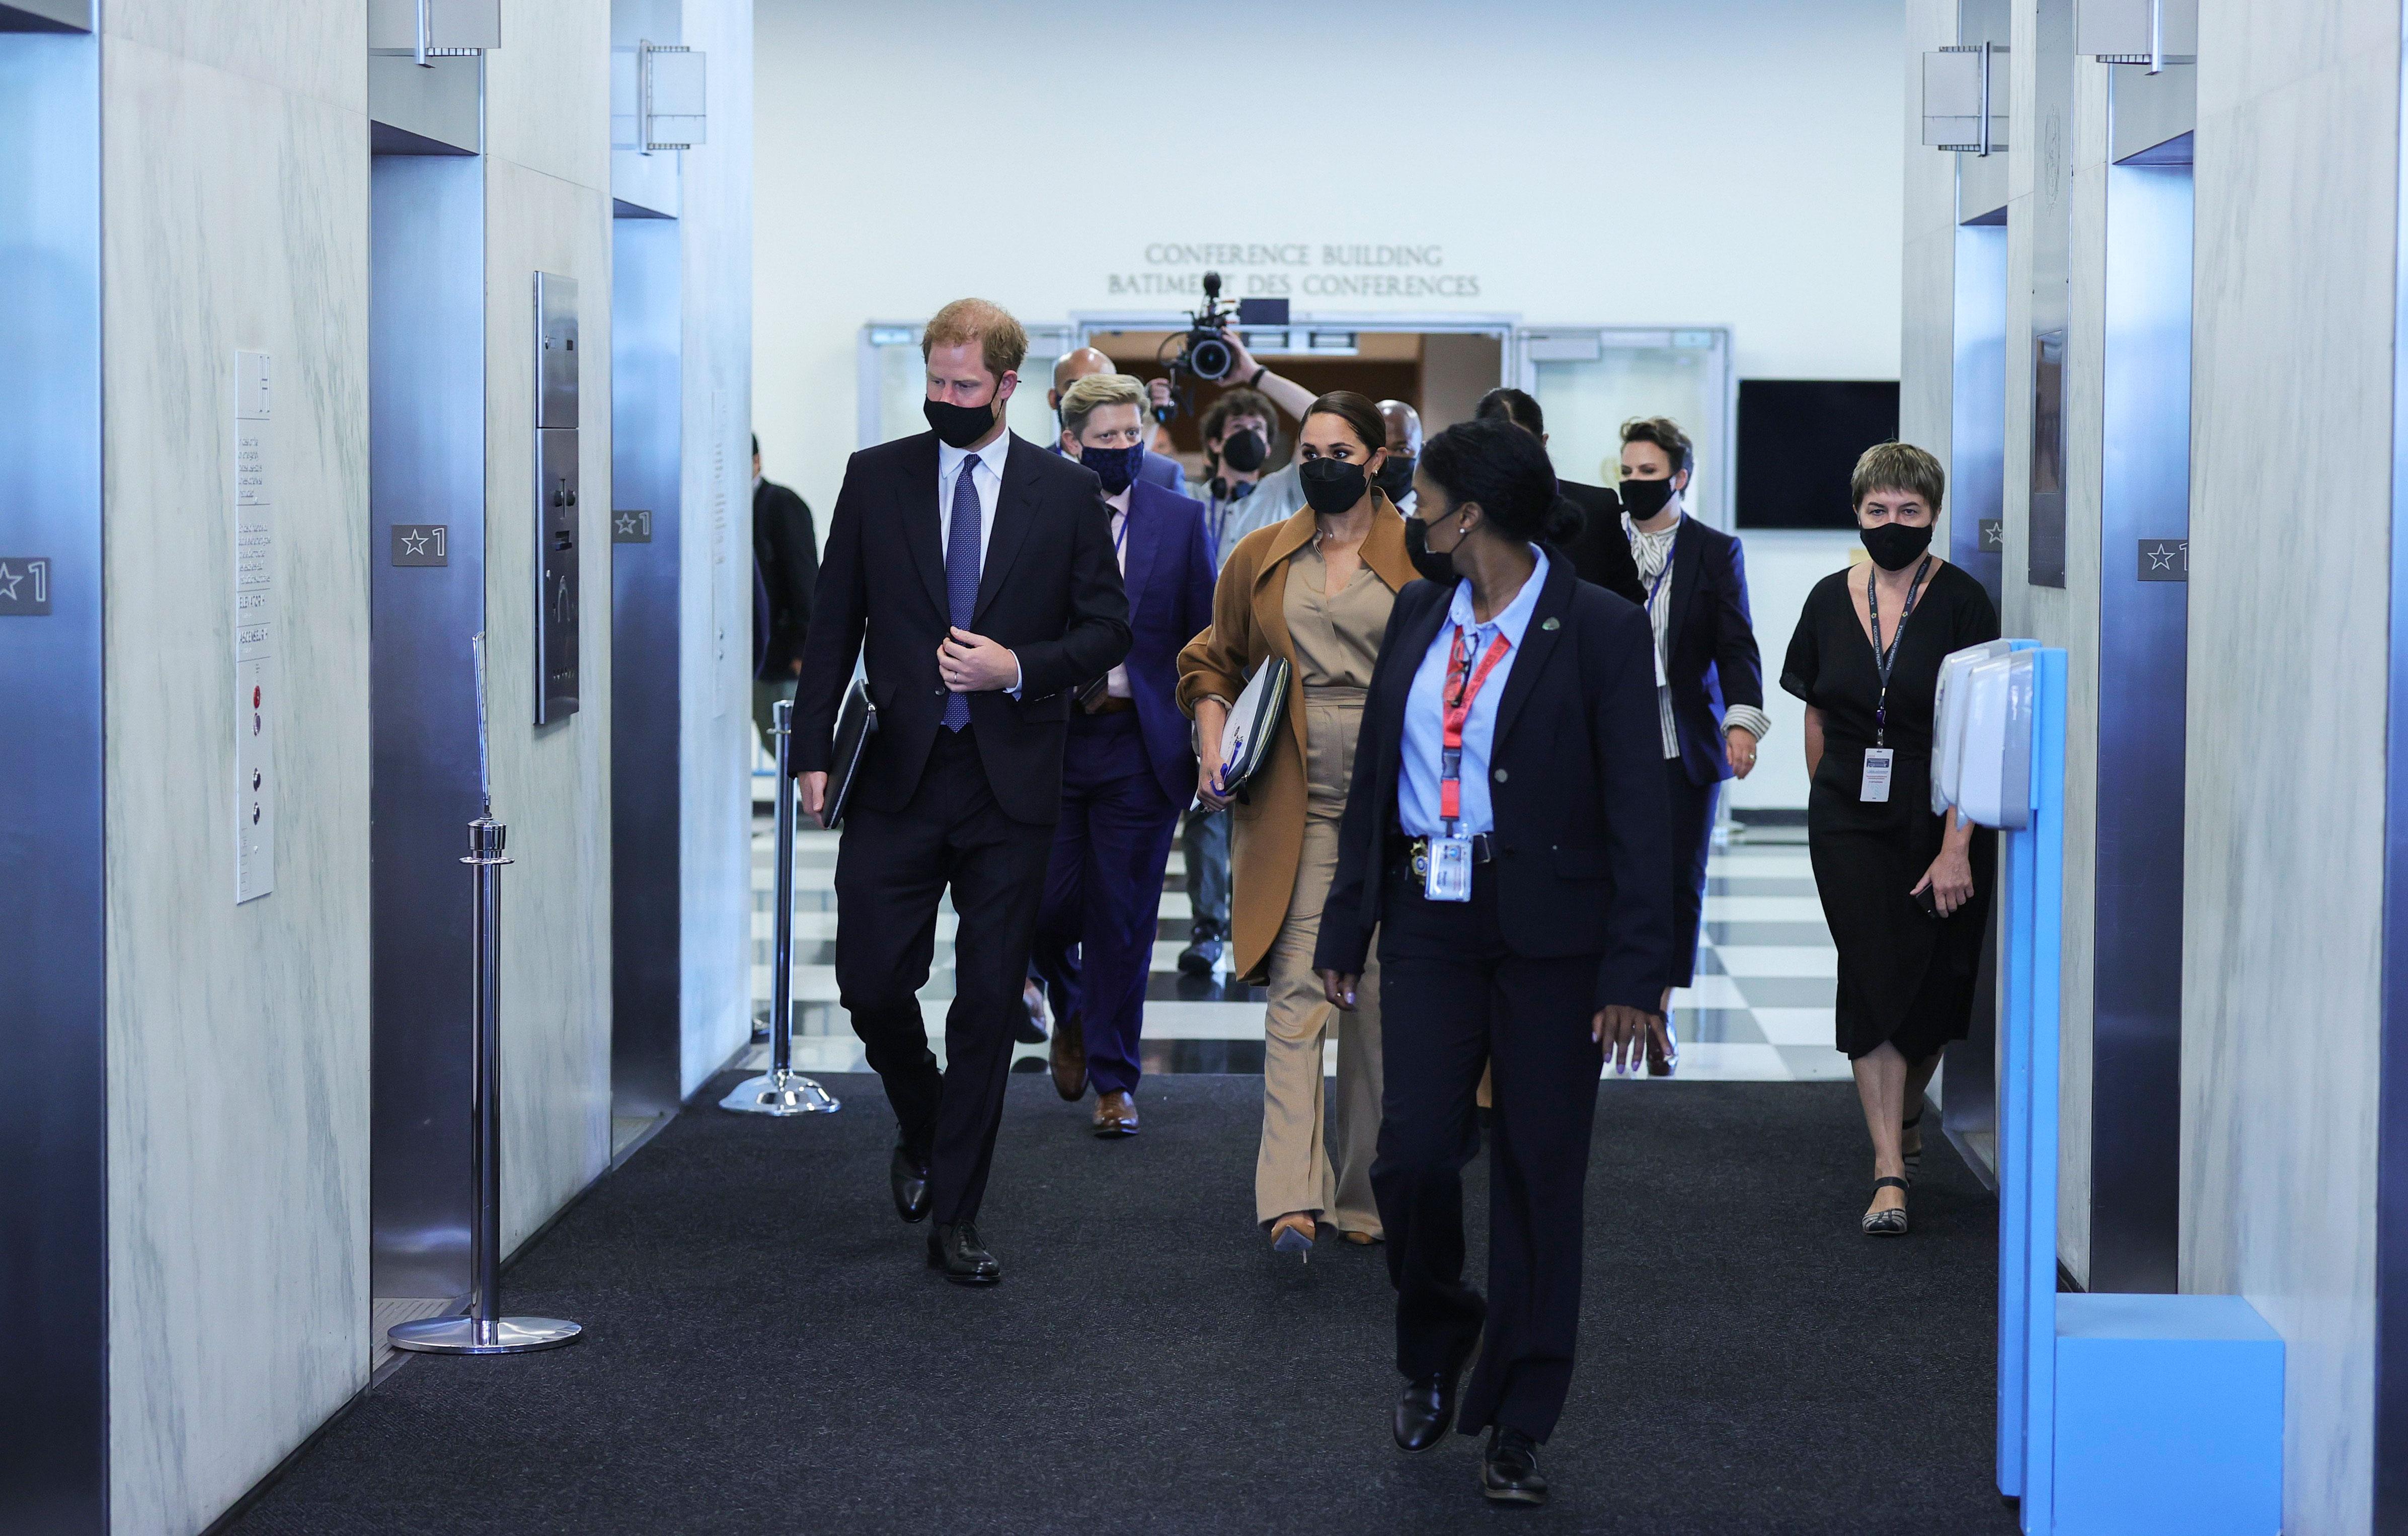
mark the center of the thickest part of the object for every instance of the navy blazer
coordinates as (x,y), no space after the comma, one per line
(1169,580)
(1582,841)
(1709,655)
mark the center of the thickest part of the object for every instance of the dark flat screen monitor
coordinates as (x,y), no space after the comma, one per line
(1799,440)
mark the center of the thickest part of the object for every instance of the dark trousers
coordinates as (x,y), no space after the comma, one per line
(1206,843)
(890,869)
(1103,888)
(1693,839)
(1453,997)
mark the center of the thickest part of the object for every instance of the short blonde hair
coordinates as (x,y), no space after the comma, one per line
(1003,344)
(1897,467)
(1087,396)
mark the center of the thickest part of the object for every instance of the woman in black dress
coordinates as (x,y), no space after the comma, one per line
(1906,893)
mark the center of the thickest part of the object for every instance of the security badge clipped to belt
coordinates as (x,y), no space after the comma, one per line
(1446,869)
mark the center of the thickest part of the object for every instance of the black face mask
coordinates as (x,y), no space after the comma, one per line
(1397,476)
(959,427)
(1114,466)
(1332,486)
(1245,452)
(1644,498)
(1433,565)
(1894,546)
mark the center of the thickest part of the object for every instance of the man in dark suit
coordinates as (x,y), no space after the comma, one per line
(1601,554)
(1710,693)
(786,563)
(1129,769)
(977,568)
(1085,363)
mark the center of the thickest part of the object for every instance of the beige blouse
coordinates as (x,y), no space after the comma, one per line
(1337,639)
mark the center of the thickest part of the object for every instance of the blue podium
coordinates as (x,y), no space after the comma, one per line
(2118,1415)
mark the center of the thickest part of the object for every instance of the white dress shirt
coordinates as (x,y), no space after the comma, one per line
(987,480)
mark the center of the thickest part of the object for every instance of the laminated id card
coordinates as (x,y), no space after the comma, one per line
(1449,870)
(1877,765)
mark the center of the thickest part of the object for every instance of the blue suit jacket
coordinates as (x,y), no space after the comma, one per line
(1710,656)
(1169,580)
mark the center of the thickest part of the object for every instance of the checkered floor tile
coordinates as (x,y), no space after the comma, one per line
(1760,1011)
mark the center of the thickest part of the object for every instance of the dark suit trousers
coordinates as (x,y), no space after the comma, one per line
(1103,888)
(890,869)
(1693,839)
(1452,998)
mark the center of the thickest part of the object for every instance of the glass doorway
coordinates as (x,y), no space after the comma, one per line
(1591,378)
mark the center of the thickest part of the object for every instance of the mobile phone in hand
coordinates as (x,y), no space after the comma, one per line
(1928,897)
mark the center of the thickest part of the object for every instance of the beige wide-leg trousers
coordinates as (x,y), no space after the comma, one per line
(1294,1171)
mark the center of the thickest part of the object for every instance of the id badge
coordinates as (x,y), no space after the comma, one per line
(1449,870)
(1877,765)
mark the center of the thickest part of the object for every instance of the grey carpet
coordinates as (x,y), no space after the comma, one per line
(766,1351)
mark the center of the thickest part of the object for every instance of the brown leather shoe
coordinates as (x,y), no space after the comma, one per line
(1115,1115)
(1068,1054)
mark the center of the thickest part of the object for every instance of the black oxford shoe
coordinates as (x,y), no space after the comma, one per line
(1425,1408)
(907,1176)
(1508,1468)
(957,1250)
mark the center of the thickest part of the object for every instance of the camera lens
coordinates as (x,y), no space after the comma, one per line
(1210,357)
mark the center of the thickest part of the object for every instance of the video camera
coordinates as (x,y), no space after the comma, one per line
(1204,354)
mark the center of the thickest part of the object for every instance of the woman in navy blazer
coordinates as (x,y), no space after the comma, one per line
(1129,769)
(1710,694)
(1555,953)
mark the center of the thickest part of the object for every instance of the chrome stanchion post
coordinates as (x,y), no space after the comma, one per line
(484,1331)
(782,1090)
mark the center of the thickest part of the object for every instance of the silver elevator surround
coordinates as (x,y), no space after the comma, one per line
(646,435)
(2143,639)
(53,1085)
(557,595)
(426,493)
(2052,292)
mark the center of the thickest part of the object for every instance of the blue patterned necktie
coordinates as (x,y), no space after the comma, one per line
(962,574)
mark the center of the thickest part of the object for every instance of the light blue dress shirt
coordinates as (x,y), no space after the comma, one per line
(1417,774)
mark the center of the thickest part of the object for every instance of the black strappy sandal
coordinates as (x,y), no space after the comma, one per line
(1887,1224)
(1915,1158)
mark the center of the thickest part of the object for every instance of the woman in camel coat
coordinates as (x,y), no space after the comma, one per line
(1315,590)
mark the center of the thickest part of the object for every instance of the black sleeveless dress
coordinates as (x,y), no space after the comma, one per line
(1905,977)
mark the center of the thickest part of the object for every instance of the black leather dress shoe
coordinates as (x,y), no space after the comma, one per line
(1425,1408)
(1203,950)
(907,1175)
(957,1250)
(1508,1468)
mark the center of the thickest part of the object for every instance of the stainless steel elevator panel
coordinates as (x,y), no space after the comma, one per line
(2143,634)
(555,498)
(427,473)
(2051,204)
(53,1089)
(647,412)
(1977,541)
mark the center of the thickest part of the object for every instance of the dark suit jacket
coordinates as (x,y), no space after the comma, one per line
(1602,552)
(1583,860)
(1710,658)
(787,549)
(1049,589)
(1169,580)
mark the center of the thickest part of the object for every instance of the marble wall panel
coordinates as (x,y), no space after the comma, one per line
(551,783)
(2296,200)
(309,50)
(235,215)
(548,90)
(715,691)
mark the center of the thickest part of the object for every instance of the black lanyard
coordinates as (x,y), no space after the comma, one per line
(1884,660)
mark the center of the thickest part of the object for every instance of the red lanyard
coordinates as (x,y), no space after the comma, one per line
(1458,701)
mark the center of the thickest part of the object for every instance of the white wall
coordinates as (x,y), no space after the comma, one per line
(1727,162)
(2297,168)
(715,690)
(234,216)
